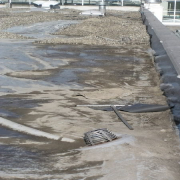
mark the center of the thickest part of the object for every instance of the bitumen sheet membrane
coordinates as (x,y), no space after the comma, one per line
(166,46)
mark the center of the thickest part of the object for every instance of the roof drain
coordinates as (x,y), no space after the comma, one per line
(98,136)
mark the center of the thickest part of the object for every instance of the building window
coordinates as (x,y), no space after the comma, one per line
(171,11)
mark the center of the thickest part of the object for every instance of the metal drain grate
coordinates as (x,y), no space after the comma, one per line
(98,136)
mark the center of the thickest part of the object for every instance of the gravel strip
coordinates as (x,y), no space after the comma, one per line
(127,28)
(117,28)
(15,17)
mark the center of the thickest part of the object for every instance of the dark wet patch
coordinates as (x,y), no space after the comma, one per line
(5,132)
(6,113)
(35,92)
(118,63)
(12,106)
(65,77)
(14,158)
(40,158)
(93,177)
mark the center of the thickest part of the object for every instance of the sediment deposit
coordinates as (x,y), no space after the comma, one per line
(100,60)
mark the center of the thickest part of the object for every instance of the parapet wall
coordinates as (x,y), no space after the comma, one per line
(167,59)
(169,41)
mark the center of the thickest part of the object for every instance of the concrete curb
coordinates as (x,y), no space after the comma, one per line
(169,41)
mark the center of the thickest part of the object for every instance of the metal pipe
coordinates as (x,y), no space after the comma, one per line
(121,118)
(27,130)
(97,105)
